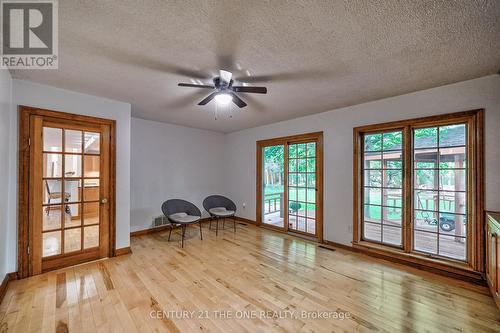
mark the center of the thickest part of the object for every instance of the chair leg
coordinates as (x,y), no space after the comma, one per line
(234,224)
(183,233)
(201,233)
(210,223)
(223,223)
(216,226)
(170,232)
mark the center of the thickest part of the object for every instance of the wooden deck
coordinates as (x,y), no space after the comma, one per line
(253,272)
(297,224)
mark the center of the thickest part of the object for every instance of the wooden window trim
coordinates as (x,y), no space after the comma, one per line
(300,138)
(25,112)
(475,267)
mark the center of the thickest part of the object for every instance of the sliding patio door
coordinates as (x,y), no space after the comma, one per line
(273,186)
(289,182)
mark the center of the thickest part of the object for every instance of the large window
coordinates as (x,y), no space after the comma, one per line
(440,190)
(418,190)
(383,181)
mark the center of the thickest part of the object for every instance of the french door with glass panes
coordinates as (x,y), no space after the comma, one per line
(290,182)
(69,190)
(418,188)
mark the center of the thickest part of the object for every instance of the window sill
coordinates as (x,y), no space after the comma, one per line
(453,269)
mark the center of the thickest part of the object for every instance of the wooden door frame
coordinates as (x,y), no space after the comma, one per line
(316,136)
(475,121)
(24,242)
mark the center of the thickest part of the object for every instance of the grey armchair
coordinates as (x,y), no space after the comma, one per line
(219,207)
(181,212)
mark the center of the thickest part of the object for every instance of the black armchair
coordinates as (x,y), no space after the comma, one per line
(218,207)
(181,212)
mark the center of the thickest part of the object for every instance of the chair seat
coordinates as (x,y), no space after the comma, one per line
(184,218)
(221,211)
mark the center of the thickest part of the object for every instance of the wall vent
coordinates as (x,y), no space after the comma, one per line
(159,221)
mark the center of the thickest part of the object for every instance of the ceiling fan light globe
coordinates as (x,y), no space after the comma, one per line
(223,99)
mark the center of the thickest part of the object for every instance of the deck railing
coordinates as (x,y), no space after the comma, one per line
(272,202)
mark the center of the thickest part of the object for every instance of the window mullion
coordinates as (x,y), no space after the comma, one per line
(407,189)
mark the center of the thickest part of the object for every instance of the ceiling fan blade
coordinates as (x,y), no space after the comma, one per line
(225,76)
(195,85)
(238,101)
(208,98)
(255,90)
(306,74)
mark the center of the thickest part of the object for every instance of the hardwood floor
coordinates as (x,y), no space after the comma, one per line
(236,275)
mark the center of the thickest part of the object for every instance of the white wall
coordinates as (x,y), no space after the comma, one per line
(170,161)
(337,126)
(5,109)
(37,95)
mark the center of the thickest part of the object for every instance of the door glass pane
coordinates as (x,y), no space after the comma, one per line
(52,191)
(52,139)
(301,150)
(72,215)
(301,179)
(392,197)
(441,198)
(311,180)
(311,165)
(426,179)
(452,158)
(425,241)
(72,141)
(373,142)
(91,213)
(91,189)
(452,247)
(301,165)
(452,135)
(52,165)
(311,195)
(273,185)
(425,137)
(373,213)
(373,160)
(301,194)
(73,189)
(382,191)
(72,165)
(311,149)
(391,235)
(372,232)
(91,166)
(91,237)
(426,158)
(301,223)
(392,141)
(51,217)
(91,143)
(311,226)
(51,243)
(72,240)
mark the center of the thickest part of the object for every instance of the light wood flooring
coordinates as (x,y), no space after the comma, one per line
(253,272)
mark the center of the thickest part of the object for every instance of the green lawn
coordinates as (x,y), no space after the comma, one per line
(277,189)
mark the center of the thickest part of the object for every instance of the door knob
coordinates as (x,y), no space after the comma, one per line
(104,200)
